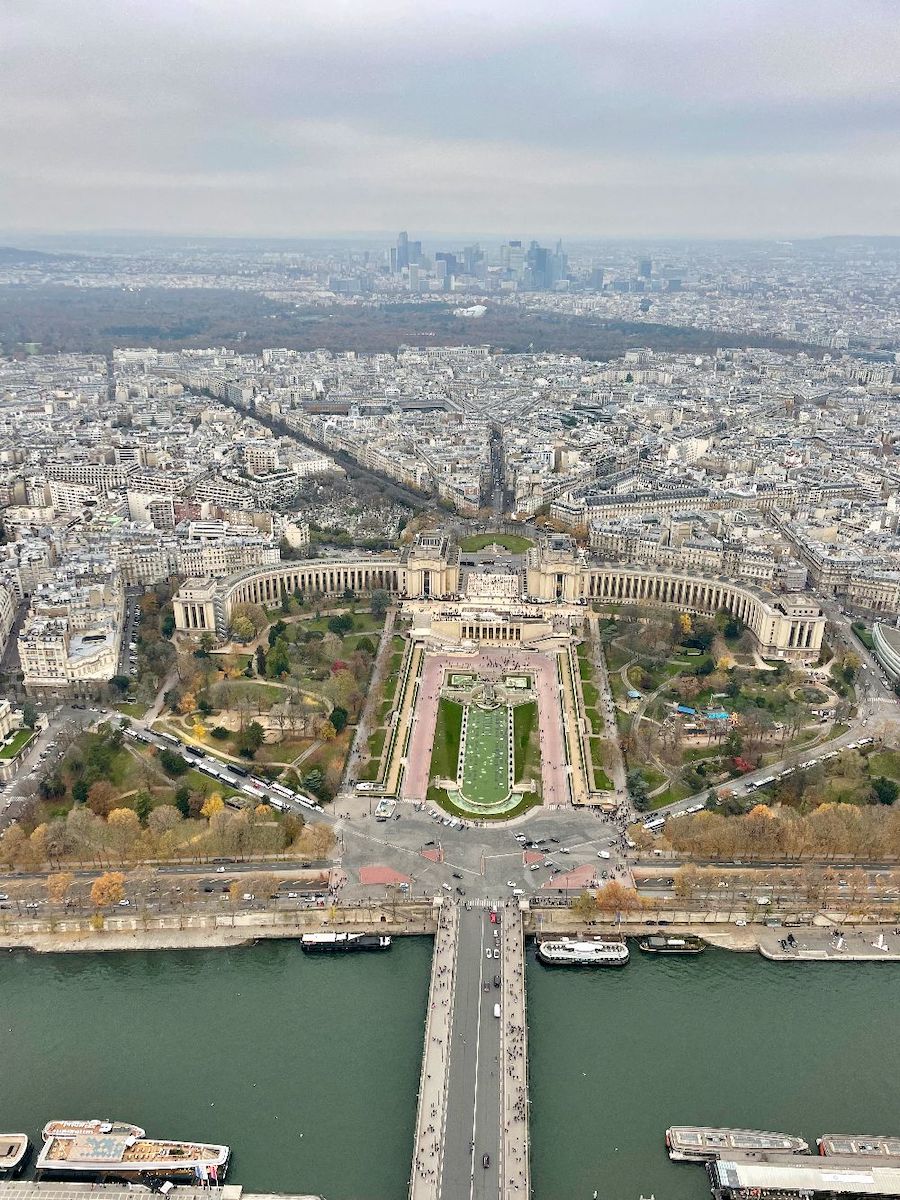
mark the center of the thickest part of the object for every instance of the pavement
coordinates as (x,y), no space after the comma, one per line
(839,943)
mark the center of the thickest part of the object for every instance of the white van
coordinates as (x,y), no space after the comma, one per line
(496,1010)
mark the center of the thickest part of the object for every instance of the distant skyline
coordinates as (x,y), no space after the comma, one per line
(582,119)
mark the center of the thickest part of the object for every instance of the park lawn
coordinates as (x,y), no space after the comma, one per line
(594,720)
(617,657)
(284,751)
(369,771)
(590,694)
(885,762)
(229,692)
(19,741)
(198,782)
(672,794)
(526,747)
(513,542)
(132,710)
(445,753)
(363,622)
(376,742)
(598,758)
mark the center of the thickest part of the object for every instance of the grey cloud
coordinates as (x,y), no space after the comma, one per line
(693,116)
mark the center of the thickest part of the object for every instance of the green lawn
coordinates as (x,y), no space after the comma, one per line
(526,752)
(445,754)
(376,742)
(885,762)
(513,542)
(485,776)
(590,694)
(20,739)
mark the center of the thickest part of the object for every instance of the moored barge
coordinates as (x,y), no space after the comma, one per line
(699,1143)
(14,1149)
(95,1125)
(858,1143)
(323,943)
(566,952)
(657,944)
(123,1156)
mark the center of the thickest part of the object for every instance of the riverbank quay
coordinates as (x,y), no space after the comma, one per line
(839,943)
(203,931)
(28,1189)
(828,940)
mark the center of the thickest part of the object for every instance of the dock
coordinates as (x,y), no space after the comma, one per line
(29,1189)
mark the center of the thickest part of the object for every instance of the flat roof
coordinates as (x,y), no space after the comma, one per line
(832,1175)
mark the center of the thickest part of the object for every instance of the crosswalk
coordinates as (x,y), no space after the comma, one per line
(484,902)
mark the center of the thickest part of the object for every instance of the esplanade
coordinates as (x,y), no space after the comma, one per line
(787,626)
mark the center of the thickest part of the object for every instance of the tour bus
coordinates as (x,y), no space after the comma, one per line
(654,823)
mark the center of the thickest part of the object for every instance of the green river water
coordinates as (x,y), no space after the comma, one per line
(256,1046)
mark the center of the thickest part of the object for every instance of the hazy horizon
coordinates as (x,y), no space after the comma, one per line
(596,119)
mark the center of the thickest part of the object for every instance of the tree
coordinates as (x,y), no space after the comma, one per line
(250,739)
(187,703)
(885,791)
(341,625)
(173,764)
(143,805)
(101,797)
(108,888)
(260,661)
(278,660)
(585,906)
(183,801)
(380,602)
(242,629)
(58,885)
(214,803)
(615,897)
(338,718)
(124,829)
(29,714)
(79,791)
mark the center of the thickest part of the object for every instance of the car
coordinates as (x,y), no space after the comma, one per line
(555,841)
(207,888)
(496,952)
(488,953)
(564,850)
(741,923)
(510,883)
(493,918)
(460,891)
(220,870)
(293,895)
(485,1160)
(124,903)
(603,854)
(457,875)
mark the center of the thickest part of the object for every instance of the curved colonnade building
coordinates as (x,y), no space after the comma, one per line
(789,626)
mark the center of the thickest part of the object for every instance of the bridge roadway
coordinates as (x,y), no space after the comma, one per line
(473,1094)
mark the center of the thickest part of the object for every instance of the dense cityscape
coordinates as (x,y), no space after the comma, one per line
(449,602)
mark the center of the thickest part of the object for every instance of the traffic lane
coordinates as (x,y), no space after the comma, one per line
(469,1114)
(488,1124)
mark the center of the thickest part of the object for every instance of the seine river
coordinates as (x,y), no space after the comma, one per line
(308,1067)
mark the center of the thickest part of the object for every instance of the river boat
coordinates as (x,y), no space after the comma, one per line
(858,1143)
(657,944)
(122,1156)
(698,1143)
(564,952)
(324,943)
(14,1149)
(96,1125)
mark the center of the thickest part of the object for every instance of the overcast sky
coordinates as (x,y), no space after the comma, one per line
(513,117)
